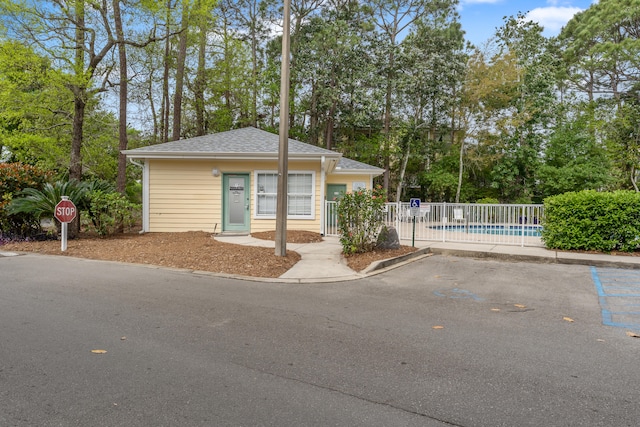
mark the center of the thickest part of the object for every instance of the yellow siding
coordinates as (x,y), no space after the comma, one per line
(185,196)
(349,179)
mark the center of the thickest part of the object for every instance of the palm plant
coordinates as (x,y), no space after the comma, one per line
(42,203)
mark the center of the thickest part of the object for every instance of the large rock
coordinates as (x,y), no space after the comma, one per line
(388,239)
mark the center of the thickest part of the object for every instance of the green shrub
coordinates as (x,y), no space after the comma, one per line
(591,220)
(111,212)
(360,220)
(40,203)
(488,201)
(14,178)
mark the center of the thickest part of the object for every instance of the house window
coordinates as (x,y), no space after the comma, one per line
(300,194)
(267,186)
(357,185)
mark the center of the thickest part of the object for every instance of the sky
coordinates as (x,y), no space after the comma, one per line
(480,18)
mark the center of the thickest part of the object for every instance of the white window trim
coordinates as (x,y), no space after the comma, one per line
(311,217)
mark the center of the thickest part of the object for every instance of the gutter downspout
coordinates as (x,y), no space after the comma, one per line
(145,194)
(323,205)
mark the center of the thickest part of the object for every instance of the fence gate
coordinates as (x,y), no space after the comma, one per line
(459,222)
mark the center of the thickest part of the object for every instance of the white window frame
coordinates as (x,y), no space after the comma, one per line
(311,216)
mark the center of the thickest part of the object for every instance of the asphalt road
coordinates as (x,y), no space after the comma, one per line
(440,342)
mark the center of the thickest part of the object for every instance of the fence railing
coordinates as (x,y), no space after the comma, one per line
(458,222)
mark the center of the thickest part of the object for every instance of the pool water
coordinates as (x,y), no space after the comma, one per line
(501,230)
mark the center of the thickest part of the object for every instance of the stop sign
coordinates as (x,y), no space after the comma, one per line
(65,211)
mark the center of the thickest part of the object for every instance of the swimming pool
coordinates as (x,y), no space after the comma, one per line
(500,230)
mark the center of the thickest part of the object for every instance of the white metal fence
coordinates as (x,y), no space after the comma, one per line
(459,222)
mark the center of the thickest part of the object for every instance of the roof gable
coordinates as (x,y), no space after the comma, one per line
(247,143)
(353,166)
(238,142)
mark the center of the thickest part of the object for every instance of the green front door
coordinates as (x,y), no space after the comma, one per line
(236,207)
(336,191)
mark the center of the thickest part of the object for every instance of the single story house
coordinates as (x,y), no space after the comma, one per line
(227,182)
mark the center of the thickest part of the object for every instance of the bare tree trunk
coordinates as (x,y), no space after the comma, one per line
(200,82)
(328,131)
(387,118)
(154,114)
(403,170)
(180,63)
(313,116)
(79,98)
(121,180)
(164,120)
(460,171)
(633,179)
(328,136)
(75,167)
(164,111)
(461,157)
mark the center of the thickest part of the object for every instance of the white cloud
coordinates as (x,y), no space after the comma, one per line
(552,18)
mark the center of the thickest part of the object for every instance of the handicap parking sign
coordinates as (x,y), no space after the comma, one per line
(414,207)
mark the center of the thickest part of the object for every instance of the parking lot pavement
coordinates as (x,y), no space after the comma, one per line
(619,295)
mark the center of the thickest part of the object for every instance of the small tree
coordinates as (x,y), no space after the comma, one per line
(360,219)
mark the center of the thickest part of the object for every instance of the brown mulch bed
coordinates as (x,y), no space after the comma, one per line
(293,236)
(359,262)
(194,250)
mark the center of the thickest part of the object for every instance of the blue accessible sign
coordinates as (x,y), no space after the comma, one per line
(414,207)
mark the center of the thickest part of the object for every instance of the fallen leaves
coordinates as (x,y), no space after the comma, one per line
(438,327)
(98,351)
(632,334)
(568,319)
(519,305)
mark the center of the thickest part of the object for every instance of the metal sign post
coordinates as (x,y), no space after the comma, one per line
(65,212)
(414,208)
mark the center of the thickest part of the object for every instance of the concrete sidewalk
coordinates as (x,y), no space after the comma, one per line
(323,262)
(530,254)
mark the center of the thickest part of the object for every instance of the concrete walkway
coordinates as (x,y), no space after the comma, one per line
(323,262)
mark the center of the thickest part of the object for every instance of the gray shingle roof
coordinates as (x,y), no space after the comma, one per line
(249,143)
(353,165)
(239,141)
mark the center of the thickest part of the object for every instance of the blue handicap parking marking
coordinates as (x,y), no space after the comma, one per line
(457,293)
(619,295)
